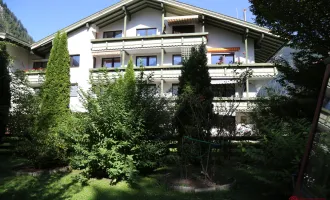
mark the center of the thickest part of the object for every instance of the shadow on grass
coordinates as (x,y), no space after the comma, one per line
(148,189)
(249,186)
(55,186)
(252,184)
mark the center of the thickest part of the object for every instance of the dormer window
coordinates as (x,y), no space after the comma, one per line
(113,34)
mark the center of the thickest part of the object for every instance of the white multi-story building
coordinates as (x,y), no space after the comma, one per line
(158,33)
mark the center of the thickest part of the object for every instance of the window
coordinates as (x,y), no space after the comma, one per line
(244,120)
(111,62)
(175,89)
(146,32)
(36,90)
(113,34)
(98,89)
(74,91)
(146,60)
(223,90)
(222,58)
(151,86)
(184,29)
(177,60)
(74,60)
(326,103)
(39,65)
(94,62)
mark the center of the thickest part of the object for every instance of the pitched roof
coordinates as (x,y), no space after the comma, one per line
(13,39)
(270,43)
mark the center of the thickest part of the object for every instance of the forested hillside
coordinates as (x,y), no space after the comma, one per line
(10,24)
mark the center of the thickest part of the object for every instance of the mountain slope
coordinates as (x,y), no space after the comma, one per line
(10,24)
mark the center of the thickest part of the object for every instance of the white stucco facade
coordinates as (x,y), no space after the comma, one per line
(20,56)
(89,44)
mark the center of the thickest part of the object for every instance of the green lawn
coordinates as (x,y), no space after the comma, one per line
(64,186)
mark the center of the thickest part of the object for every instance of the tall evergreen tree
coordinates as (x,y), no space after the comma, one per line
(307,25)
(195,97)
(56,89)
(5,95)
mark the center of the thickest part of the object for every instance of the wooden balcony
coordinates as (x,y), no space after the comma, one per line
(167,40)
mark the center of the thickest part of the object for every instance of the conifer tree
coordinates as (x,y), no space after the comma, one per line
(195,97)
(56,89)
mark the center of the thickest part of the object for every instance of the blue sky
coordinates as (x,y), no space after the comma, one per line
(44,17)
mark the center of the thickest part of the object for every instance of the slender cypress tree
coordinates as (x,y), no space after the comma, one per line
(5,95)
(56,89)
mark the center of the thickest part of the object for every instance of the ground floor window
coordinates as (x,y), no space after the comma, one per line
(175,89)
(223,90)
(74,91)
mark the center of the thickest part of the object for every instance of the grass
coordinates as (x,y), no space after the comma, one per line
(64,186)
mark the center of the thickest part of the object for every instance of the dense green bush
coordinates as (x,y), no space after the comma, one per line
(4,88)
(43,148)
(282,145)
(124,128)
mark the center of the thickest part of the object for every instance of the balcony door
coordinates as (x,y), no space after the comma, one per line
(183,29)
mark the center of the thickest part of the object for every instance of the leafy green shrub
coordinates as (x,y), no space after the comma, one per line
(123,129)
(43,121)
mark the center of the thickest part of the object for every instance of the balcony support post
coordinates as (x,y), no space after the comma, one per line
(123,58)
(247,87)
(203,23)
(161,83)
(127,17)
(163,18)
(246,45)
(162,57)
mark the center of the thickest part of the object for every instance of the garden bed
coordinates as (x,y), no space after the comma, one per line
(195,181)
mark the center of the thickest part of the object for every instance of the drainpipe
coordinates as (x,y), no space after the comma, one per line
(246,61)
